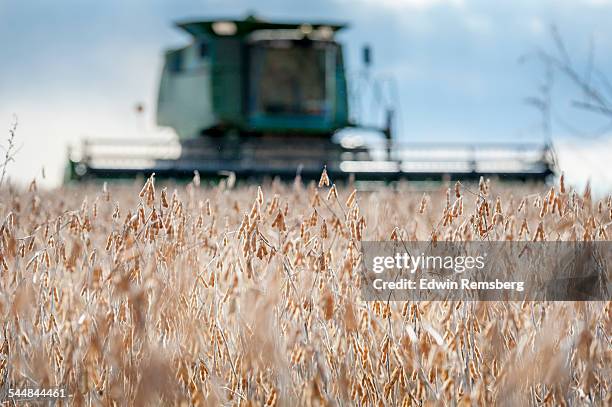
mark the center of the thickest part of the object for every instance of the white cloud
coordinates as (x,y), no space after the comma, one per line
(478,23)
(598,2)
(586,160)
(45,131)
(536,26)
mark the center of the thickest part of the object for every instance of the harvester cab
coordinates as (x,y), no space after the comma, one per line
(257,98)
(254,78)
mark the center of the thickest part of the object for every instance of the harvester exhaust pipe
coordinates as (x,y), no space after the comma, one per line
(387,132)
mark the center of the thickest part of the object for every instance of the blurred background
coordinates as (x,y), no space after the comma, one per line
(457,70)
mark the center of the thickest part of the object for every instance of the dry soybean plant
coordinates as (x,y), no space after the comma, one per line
(247,295)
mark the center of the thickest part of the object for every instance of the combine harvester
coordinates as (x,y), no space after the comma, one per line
(263,99)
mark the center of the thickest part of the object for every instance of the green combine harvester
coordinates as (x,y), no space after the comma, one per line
(258,99)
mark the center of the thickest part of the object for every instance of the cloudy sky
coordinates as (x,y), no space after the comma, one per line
(72,69)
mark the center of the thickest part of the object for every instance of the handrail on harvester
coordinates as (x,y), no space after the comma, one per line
(375,161)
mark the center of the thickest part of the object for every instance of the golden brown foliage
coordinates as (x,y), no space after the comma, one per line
(250,296)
